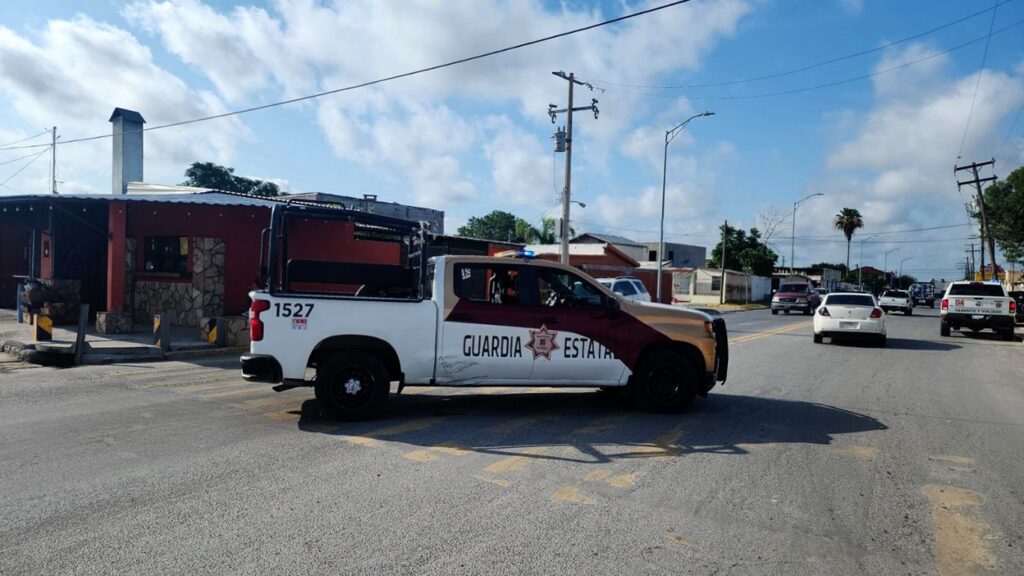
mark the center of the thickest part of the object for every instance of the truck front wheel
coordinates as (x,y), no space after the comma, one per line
(351,386)
(665,382)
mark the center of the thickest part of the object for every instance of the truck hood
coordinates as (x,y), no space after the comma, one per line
(655,310)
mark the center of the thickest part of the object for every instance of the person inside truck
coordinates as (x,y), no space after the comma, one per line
(505,288)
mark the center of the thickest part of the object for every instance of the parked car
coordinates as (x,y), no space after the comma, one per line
(1018,297)
(629,287)
(849,315)
(978,306)
(795,296)
(896,300)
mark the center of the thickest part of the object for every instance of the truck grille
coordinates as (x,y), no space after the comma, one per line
(721,349)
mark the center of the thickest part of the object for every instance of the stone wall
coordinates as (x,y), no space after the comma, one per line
(68,292)
(186,303)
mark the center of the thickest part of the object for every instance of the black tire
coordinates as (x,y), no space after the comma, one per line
(944,329)
(881,341)
(787,311)
(775,312)
(339,398)
(909,312)
(818,338)
(665,382)
(807,312)
(1009,336)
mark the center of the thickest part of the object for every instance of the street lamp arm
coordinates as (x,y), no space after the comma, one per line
(670,135)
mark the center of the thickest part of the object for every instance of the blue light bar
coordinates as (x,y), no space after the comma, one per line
(524,253)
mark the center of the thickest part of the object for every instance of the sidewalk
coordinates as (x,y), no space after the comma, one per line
(134,347)
(725,308)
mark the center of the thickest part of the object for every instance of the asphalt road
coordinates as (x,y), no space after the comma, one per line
(812,459)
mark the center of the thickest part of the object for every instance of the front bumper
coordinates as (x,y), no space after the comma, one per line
(992,321)
(801,306)
(261,368)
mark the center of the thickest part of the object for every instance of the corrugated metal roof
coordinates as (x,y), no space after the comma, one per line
(609,238)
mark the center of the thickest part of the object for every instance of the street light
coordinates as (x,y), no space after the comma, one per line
(860,261)
(792,237)
(885,266)
(900,279)
(670,135)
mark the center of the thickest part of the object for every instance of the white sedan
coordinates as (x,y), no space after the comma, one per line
(849,315)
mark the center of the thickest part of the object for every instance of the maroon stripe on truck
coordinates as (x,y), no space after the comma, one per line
(623,334)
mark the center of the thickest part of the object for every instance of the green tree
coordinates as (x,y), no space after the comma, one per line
(848,221)
(507,227)
(743,251)
(1004,203)
(217,177)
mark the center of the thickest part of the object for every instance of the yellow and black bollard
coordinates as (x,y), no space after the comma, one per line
(161,332)
(214,334)
(43,327)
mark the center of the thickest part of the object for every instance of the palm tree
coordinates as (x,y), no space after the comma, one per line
(848,221)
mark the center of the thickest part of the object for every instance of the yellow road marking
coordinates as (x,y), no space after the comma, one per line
(571,494)
(961,546)
(497,481)
(758,335)
(601,425)
(370,439)
(664,447)
(597,475)
(515,463)
(861,452)
(431,454)
(679,538)
(965,460)
(623,481)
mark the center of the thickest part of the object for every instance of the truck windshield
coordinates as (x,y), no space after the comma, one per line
(976,289)
(802,288)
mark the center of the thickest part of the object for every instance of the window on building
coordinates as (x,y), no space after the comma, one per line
(166,254)
(716,282)
(652,255)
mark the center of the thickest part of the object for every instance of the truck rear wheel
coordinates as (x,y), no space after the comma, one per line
(665,382)
(352,385)
(944,329)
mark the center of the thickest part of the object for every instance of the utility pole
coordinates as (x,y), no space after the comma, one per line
(553,112)
(725,236)
(985,233)
(53,161)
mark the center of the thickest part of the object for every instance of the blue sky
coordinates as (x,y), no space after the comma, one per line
(475,137)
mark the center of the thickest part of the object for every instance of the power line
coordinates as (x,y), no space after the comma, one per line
(817,64)
(27,164)
(906,231)
(25,139)
(18,158)
(1009,134)
(981,72)
(380,80)
(834,83)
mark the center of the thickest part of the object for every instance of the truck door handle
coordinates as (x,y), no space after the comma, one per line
(549,320)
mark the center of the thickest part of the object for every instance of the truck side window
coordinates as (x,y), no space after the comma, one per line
(487,284)
(565,290)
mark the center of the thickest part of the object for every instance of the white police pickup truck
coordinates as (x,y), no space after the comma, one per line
(459,321)
(977,306)
(896,300)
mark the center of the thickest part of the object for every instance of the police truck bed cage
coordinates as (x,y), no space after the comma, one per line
(283,271)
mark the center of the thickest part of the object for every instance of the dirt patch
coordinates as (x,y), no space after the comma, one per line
(960,546)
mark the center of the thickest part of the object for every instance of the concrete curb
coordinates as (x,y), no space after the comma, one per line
(203,353)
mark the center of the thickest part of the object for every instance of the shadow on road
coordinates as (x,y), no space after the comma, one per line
(901,344)
(600,427)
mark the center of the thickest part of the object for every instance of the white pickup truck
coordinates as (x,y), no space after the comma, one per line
(896,300)
(459,321)
(978,306)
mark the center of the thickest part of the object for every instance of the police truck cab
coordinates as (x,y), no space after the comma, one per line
(458,321)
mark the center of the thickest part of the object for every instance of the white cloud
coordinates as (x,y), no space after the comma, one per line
(853,7)
(302,46)
(74,72)
(897,165)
